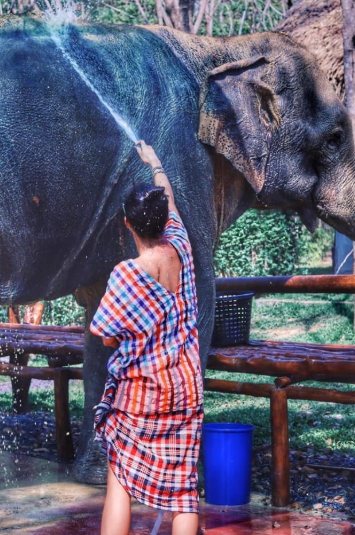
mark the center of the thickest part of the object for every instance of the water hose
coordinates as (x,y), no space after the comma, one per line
(157,522)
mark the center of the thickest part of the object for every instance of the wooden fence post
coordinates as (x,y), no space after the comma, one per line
(63,426)
(280,470)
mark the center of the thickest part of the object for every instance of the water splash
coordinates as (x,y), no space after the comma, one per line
(64,13)
(56,21)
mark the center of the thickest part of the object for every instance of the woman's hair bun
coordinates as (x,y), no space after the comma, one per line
(154,194)
(147,209)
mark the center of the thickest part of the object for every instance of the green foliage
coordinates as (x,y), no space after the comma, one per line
(313,248)
(122,12)
(231,18)
(259,243)
(64,311)
(3,314)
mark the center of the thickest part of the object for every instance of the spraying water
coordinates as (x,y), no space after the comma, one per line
(55,24)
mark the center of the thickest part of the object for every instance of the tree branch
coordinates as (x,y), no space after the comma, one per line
(215,7)
(242,20)
(265,13)
(109,6)
(141,11)
(162,14)
(231,22)
(348,7)
(159,7)
(200,14)
(209,17)
(281,13)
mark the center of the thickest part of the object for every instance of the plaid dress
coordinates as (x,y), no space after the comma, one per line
(150,415)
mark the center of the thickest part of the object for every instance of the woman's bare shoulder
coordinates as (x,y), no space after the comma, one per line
(163,264)
(148,261)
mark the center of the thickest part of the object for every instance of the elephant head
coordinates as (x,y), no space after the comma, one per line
(275,118)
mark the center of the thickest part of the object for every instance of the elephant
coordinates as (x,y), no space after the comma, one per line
(238,122)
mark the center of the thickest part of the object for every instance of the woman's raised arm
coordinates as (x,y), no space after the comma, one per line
(148,156)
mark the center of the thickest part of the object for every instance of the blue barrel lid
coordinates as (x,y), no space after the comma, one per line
(225,427)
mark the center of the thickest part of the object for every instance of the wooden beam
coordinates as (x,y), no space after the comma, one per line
(280,472)
(296,361)
(39,348)
(45,374)
(305,393)
(292,284)
(40,328)
(235,387)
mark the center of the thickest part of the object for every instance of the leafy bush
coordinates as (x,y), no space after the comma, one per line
(64,311)
(313,248)
(259,243)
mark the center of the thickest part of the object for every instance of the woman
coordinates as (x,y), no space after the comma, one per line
(150,416)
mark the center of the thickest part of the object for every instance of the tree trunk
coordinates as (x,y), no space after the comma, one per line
(348,7)
(180,13)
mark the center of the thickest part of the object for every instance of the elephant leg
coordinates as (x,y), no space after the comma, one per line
(20,385)
(205,288)
(90,465)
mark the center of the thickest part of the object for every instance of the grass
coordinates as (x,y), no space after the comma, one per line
(312,318)
(43,399)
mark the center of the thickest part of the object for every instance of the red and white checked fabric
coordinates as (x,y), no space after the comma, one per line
(154,457)
(157,363)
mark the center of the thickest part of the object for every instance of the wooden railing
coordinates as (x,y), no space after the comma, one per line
(288,363)
(61,346)
(289,284)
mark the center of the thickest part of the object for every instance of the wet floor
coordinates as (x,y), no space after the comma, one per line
(41,498)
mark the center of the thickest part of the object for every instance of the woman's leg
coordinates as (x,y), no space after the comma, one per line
(185,523)
(116,517)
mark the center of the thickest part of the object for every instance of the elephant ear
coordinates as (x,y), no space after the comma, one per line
(238,114)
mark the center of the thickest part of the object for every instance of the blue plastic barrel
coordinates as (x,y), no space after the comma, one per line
(227,455)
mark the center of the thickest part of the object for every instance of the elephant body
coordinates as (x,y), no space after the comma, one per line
(238,122)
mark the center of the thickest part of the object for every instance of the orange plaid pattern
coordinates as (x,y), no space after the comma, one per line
(154,457)
(157,364)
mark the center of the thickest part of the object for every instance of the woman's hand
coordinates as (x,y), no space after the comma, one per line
(147,154)
(110,342)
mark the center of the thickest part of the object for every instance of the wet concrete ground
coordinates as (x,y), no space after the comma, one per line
(40,497)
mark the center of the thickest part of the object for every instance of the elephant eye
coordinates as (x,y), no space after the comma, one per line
(333,141)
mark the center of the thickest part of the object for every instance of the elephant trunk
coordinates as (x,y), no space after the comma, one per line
(335,201)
